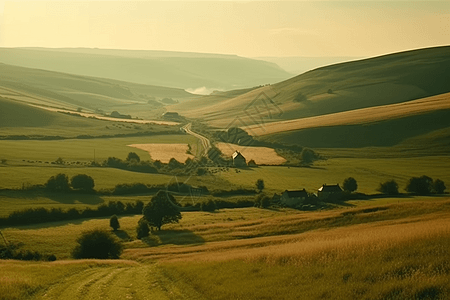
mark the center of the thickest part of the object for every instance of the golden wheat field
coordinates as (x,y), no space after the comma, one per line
(261,155)
(357,116)
(164,152)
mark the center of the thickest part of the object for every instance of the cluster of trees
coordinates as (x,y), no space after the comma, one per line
(42,215)
(422,185)
(61,183)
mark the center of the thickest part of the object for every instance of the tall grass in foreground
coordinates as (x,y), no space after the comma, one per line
(401,260)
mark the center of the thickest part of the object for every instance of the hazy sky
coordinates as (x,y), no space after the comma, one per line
(246,28)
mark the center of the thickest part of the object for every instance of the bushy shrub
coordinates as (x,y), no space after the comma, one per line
(114,222)
(262,201)
(389,187)
(58,183)
(82,182)
(439,186)
(350,185)
(132,156)
(419,185)
(97,244)
(142,229)
(209,206)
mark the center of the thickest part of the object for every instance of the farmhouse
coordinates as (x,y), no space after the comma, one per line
(327,191)
(292,198)
(238,159)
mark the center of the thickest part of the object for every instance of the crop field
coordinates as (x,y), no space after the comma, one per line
(375,253)
(357,116)
(369,173)
(164,152)
(261,155)
(83,149)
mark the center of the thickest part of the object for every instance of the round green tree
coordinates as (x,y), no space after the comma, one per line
(350,184)
(161,210)
(82,182)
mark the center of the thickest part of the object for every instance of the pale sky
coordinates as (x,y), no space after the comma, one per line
(246,28)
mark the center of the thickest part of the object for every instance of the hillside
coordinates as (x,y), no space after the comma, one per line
(383,80)
(72,91)
(172,69)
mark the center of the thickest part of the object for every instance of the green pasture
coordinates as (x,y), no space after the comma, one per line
(105,178)
(369,173)
(84,149)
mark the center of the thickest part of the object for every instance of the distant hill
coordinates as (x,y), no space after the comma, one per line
(161,68)
(383,80)
(73,91)
(301,64)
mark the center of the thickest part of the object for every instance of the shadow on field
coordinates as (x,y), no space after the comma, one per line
(123,235)
(63,198)
(174,237)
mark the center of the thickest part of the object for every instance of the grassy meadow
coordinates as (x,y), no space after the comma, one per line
(396,251)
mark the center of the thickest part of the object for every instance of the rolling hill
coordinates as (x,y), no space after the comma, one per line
(383,80)
(172,69)
(72,91)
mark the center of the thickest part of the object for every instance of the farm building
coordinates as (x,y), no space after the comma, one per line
(292,198)
(327,191)
(238,159)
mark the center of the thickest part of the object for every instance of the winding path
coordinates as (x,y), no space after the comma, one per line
(205,141)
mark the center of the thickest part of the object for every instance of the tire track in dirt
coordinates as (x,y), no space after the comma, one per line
(120,282)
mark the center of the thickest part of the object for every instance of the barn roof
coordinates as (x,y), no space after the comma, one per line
(334,188)
(296,194)
(237,154)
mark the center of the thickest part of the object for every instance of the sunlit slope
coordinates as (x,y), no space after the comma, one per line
(383,80)
(359,116)
(66,90)
(180,70)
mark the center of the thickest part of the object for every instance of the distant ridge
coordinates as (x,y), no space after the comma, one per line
(161,68)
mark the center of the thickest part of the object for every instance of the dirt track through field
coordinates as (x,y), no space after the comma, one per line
(118,282)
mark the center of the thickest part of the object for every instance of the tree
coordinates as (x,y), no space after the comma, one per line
(389,187)
(308,156)
(114,222)
(419,185)
(262,201)
(350,185)
(260,184)
(58,183)
(97,244)
(439,186)
(161,210)
(82,182)
(133,156)
(142,230)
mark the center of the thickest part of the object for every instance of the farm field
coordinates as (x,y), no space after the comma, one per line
(369,173)
(83,149)
(251,252)
(165,152)
(357,116)
(15,177)
(261,155)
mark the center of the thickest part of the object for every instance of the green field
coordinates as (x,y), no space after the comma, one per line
(369,173)
(83,149)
